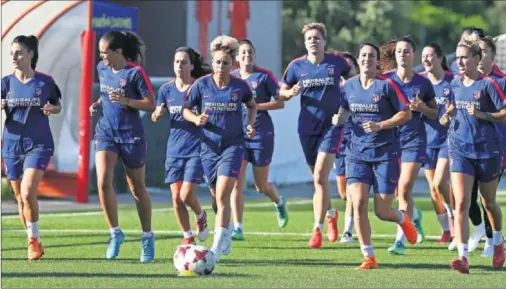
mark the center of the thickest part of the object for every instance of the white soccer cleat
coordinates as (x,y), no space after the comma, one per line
(226,245)
(474,240)
(488,251)
(453,245)
(346,238)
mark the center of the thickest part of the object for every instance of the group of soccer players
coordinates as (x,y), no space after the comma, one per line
(375,120)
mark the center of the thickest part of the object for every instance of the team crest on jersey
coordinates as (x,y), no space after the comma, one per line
(234,96)
(38,91)
(446,91)
(477,95)
(331,70)
(122,82)
(254,84)
(376,98)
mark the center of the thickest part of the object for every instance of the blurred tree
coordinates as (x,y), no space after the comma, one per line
(350,23)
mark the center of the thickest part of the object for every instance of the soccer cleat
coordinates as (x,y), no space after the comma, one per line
(498,258)
(346,238)
(282,214)
(475,238)
(189,241)
(453,245)
(408,229)
(115,242)
(35,249)
(237,234)
(202,229)
(488,250)
(316,239)
(419,228)
(226,245)
(460,264)
(446,237)
(368,263)
(148,249)
(332,231)
(397,248)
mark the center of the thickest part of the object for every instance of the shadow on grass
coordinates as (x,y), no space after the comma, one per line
(104,242)
(330,263)
(108,275)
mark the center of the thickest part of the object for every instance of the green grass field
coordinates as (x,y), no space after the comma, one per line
(270,257)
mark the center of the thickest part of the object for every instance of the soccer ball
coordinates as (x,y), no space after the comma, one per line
(193,258)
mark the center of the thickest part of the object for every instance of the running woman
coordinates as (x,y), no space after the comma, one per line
(474,148)
(28,98)
(340,164)
(125,89)
(413,138)
(464,33)
(316,76)
(377,107)
(258,149)
(219,98)
(482,226)
(183,167)
(437,169)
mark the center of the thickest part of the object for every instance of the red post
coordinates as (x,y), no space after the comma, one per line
(87,75)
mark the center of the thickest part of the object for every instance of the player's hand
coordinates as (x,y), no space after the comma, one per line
(444,120)
(250,131)
(417,105)
(202,118)
(4,103)
(370,126)
(94,108)
(159,111)
(48,109)
(115,97)
(474,111)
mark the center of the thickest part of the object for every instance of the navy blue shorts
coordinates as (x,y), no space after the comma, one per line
(414,155)
(433,155)
(188,170)
(259,152)
(383,176)
(340,165)
(133,155)
(327,142)
(228,164)
(19,155)
(484,170)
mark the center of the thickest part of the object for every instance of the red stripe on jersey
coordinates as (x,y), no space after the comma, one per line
(145,76)
(190,88)
(496,86)
(268,73)
(496,70)
(296,59)
(448,72)
(397,90)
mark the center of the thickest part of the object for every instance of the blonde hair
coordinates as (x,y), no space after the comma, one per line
(471,42)
(225,43)
(315,25)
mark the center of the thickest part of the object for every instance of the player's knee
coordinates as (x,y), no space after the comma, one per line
(104,185)
(434,192)
(176,200)
(320,178)
(139,192)
(262,187)
(382,213)
(489,203)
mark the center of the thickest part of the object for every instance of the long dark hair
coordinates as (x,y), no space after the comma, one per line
(31,43)
(440,54)
(132,46)
(200,67)
(387,56)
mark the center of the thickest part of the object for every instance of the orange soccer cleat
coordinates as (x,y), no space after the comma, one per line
(316,239)
(368,263)
(35,249)
(332,230)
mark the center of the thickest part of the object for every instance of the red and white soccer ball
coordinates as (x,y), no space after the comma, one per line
(194,258)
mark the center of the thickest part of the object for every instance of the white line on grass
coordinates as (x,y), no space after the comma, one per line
(94,213)
(173,232)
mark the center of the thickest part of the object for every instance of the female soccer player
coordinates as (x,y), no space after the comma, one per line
(317,76)
(413,138)
(482,226)
(437,166)
(377,107)
(124,90)
(259,149)
(219,98)
(183,167)
(340,164)
(474,148)
(28,98)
